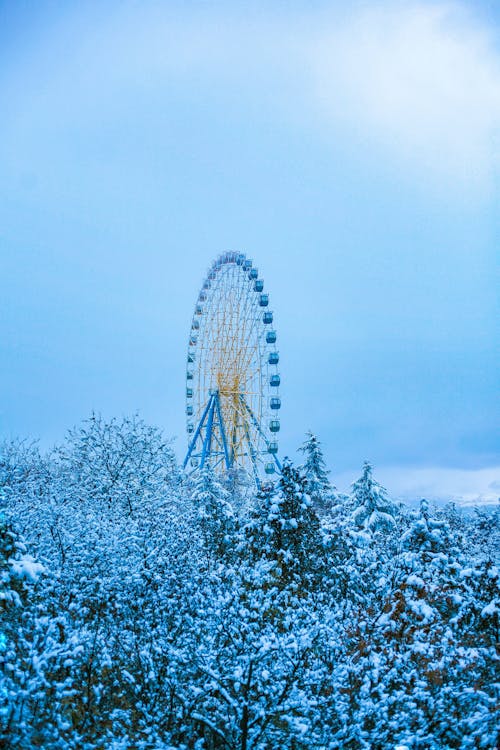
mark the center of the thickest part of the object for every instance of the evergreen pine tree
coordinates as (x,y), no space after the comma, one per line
(374,511)
(316,475)
(285,527)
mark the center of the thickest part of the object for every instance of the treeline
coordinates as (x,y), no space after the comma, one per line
(145,610)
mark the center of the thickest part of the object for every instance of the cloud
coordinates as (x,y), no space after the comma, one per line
(415,84)
(420,80)
(463,486)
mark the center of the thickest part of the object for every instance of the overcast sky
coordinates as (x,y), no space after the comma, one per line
(351,149)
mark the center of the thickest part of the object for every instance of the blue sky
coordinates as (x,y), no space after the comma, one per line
(352,152)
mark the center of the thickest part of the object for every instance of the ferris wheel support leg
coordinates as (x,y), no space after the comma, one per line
(197,433)
(222,432)
(207,443)
(257,427)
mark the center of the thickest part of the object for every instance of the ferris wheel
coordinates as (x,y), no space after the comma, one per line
(232,378)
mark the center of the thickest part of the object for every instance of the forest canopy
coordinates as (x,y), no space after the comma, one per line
(145,609)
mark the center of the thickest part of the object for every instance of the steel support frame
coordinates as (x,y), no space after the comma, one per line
(213,411)
(197,432)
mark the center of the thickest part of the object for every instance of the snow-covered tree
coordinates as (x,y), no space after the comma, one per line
(482,537)
(117,461)
(428,534)
(416,666)
(215,513)
(284,526)
(374,510)
(36,654)
(314,469)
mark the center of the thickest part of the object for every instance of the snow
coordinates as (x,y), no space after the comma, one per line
(422,609)
(26,567)
(490,609)
(415,581)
